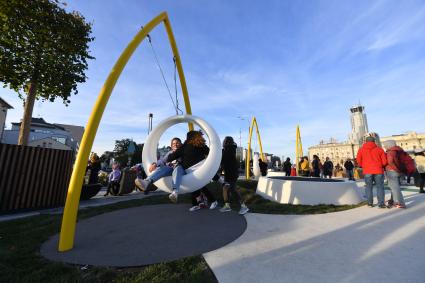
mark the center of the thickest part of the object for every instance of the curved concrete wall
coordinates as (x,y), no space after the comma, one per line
(308,192)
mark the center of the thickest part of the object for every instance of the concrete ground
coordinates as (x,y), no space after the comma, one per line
(358,245)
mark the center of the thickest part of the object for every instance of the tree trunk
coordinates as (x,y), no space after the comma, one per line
(24,130)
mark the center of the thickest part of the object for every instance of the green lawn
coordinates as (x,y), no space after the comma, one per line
(20,241)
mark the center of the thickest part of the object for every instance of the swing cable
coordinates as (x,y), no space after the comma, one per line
(175,87)
(162,72)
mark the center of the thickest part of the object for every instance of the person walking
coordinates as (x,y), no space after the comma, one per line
(373,160)
(328,168)
(349,169)
(394,173)
(420,165)
(229,166)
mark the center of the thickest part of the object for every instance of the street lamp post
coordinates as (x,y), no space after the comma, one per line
(242,118)
(150,122)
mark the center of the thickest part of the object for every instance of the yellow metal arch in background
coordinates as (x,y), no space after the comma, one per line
(248,154)
(298,148)
(67,234)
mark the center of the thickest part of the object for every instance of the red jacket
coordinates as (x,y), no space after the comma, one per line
(392,157)
(371,158)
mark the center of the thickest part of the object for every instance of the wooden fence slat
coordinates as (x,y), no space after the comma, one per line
(28,184)
(52,169)
(33,177)
(12,161)
(35,188)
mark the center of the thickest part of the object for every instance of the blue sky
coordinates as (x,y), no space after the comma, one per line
(284,62)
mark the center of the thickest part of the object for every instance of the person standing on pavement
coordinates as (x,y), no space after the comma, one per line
(420,165)
(372,159)
(349,169)
(287,167)
(394,173)
(230,167)
(328,168)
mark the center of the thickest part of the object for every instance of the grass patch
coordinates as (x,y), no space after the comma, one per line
(20,241)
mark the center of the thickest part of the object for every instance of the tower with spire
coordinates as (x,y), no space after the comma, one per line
(359,126)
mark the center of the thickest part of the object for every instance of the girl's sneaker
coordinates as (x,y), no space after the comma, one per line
(213,205)
(244,209)
(398,205)
(194,208)
(141,184)
(226,208)
(173,196)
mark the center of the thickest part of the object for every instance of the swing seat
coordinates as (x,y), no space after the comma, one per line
(196,176)
(256,167)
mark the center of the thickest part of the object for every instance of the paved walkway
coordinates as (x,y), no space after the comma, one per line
(359,245)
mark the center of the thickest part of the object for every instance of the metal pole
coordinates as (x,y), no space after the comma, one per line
(150,123)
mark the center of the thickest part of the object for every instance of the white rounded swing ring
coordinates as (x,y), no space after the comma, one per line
(256,167)
(195,178)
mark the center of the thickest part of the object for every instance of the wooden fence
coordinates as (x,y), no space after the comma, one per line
(33,177)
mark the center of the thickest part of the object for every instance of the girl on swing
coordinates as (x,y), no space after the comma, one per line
(193,150)
(160,169)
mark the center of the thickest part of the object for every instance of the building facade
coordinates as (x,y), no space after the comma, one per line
(336,152)
(4,106)
(43,134)
(339,152)
(409,141)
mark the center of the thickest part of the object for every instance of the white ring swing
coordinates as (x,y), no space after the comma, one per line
(256,166)
(198,175)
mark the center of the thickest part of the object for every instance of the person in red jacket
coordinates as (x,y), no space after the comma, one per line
(372,159)
(394,173)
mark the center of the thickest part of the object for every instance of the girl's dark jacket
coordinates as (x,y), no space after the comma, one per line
(229,163)
(189,154)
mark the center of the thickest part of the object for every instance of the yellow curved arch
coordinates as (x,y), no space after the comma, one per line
(248,155)
(66,239)
(298,149)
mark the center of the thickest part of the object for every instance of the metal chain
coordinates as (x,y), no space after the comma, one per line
(162,74)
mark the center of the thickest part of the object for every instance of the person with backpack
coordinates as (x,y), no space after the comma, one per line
(420,163)
(372,159)
(396,167)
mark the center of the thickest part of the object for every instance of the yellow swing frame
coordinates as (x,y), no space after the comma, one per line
(298,149)
(248,154)
(67,233)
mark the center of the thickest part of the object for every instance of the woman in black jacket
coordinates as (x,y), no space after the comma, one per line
(230,168)
(193,150)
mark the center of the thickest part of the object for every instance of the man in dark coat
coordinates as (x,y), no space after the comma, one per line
(328,168)
(287,165)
